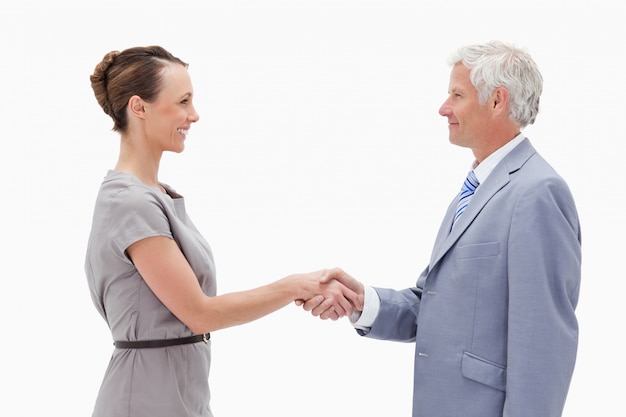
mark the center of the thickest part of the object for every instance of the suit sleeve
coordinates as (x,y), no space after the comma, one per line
(544,261)
(397,317)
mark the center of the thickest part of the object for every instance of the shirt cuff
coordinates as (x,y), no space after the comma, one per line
(371,305)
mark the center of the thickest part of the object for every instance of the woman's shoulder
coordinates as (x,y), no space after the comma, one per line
(125,190)
(128,210)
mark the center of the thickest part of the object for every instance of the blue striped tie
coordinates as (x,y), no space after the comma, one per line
(467,191)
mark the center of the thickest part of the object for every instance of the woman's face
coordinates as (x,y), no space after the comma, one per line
(169,118)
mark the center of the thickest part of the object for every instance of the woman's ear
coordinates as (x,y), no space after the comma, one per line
(137,106)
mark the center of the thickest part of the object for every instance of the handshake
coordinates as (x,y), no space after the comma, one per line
(329,293)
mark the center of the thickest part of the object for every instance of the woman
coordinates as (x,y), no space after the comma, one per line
(150,272)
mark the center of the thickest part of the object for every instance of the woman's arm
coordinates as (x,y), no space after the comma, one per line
(164,268)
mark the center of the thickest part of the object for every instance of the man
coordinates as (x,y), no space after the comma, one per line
(492,315)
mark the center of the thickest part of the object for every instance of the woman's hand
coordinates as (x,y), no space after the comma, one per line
(339,295)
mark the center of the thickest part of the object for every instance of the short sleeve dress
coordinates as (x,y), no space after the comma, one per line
(169,381)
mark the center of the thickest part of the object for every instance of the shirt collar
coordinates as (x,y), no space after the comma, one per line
(483,169)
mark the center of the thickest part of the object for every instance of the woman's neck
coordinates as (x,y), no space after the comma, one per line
(140,162)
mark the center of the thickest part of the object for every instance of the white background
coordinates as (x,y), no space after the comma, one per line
(319,145)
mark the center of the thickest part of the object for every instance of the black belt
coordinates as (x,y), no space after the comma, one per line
(144,344)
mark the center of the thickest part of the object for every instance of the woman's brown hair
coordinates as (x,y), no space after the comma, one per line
(121,75)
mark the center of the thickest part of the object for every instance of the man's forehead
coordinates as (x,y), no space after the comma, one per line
(460,79)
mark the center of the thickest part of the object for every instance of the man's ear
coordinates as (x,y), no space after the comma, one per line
(137,106)
(500,98)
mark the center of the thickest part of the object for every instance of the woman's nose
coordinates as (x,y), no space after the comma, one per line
(194,116)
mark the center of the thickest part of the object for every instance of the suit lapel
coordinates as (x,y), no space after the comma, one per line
(496,181)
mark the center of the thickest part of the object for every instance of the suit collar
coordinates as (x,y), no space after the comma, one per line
(484,169)
(497,179)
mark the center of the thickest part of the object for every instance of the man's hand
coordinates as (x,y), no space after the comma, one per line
(326,308)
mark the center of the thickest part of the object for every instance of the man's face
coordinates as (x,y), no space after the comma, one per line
(467,119)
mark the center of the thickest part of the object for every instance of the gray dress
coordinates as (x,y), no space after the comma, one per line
(170,381)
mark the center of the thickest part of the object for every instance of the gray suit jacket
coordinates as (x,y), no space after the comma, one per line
(492,316)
